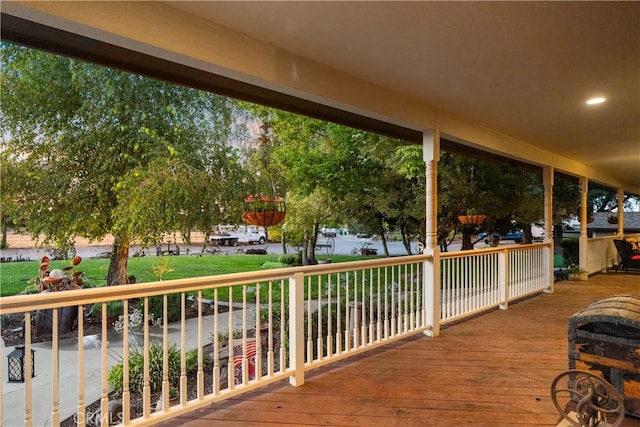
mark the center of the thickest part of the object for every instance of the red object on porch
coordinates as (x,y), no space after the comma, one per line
(238,355)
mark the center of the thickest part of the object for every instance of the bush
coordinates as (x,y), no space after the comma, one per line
(136,369)
(571,251)
(192,360)
(273,264)
(155,307)
(289,259)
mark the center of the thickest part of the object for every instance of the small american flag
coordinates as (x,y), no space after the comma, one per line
(238,355)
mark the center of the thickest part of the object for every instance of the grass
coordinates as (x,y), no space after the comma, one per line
(15,276)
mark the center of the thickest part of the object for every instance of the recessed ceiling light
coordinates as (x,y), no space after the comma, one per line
(594,101)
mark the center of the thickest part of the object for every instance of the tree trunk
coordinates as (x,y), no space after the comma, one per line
(466,239)
(557,233)
(527,235)
(406,240)
(309,246)
(117,274)
(3,245)
(283,241)
(384,239)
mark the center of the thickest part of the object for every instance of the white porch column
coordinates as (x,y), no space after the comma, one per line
(296,329)
(431,156)
(620,212)
(583,240)
(431,279)
(547,179)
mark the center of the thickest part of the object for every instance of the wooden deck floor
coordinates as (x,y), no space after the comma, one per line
(493,370)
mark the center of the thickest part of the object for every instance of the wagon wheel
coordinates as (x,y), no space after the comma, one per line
(597,403)
(331,245)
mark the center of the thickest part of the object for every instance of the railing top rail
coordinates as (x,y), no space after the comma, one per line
(513,248)
(20,303)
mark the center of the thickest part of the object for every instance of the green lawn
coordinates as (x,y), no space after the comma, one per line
(14,276)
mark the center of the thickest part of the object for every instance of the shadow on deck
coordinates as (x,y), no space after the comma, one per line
(495,369)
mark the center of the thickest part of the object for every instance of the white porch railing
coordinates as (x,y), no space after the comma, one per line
(262,327)
(479,280)
(602,253)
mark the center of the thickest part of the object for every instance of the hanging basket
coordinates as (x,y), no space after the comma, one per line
(266,206)
(263,211)
(471,219)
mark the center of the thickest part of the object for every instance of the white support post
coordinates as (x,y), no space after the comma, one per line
(431,286)
(503,279)
(583,240)
(431,277)
(620,212)
(547,178)
(296,328)
(431,156)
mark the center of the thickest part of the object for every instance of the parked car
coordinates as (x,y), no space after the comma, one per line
(329,232)
(232,235)
(516,236)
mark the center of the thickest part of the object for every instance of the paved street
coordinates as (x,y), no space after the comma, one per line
(343,246)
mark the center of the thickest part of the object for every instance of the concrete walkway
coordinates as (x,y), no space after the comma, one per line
(13,394)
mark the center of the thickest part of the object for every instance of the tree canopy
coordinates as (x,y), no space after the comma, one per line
(98,151)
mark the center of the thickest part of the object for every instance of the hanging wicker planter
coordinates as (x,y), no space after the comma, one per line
(266,206)
(471,219)
(263,210)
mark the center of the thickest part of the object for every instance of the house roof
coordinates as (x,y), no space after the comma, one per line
(601,223)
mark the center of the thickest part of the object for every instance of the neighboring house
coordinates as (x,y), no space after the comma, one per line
(600,227)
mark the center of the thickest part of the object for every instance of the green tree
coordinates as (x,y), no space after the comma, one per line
(341,174)
(107,152)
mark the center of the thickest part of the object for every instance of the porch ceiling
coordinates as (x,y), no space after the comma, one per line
(522,69)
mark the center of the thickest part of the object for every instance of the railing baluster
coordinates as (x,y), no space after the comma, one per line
(356,312)
(347,318)
(394,287)
(258,335)
(371,312)
(270,355)
(216,344)
(230,367)
(283,350)
(104,346)
(200,374)
(245,360)
(28,390)
(412,307)
(363,309)
(329,316)
(146,387)
(166,385)
(126,398)
(55,366)
(309,344)
(339,315)
(319,333)
(183,350)
(379,305)
(386,302)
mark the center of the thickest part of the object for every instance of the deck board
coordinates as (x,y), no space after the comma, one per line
(494,369)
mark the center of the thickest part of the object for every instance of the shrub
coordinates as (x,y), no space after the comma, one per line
(289,259)
(192,360)
(571,251)
(273,264)
(136,369)
(156,311)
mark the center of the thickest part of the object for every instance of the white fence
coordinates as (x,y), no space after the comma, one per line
(475,281)
(251,329)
